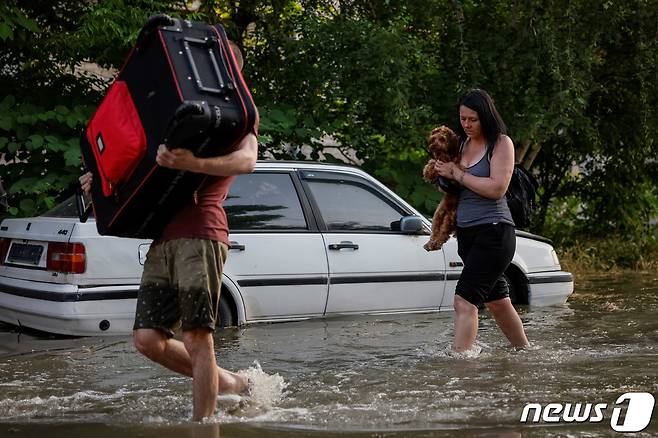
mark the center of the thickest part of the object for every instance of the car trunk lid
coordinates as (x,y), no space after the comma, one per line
(38,248)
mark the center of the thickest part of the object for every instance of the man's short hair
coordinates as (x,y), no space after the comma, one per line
(237,53)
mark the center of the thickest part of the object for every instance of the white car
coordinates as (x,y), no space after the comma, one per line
(308,240)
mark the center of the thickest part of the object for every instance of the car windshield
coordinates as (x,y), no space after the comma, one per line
(64,209)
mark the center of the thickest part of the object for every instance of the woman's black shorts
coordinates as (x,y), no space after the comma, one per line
(486,251)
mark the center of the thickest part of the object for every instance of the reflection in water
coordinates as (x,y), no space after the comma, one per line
(387,374)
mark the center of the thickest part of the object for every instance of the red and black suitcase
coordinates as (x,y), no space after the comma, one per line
(181,86)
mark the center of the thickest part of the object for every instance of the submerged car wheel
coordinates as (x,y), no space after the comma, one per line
(518,286)
(225,311)
(513,294)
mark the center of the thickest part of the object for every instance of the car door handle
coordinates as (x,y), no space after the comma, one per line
(235,245)
(343,245)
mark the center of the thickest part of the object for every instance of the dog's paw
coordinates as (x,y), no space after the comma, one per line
(431,246)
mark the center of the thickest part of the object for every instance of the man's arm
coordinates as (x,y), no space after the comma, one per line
(242,160)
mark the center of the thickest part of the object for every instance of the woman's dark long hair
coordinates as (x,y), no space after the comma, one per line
(490,121)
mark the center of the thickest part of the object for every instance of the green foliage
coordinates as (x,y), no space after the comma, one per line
(574,80)
(46,98)
(43,157)
(613,253)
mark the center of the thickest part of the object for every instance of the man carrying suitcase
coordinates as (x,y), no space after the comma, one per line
(181,282)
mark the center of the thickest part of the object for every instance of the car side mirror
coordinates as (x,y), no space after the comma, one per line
(411,224)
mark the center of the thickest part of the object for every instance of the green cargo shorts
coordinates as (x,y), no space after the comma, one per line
(180,285)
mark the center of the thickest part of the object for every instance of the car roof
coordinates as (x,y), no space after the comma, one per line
(293,165)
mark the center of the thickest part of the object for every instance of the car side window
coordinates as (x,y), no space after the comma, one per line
(351,206)
(264,201)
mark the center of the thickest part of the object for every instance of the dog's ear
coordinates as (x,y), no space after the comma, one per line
(453,144)
(452,140)
(431,144)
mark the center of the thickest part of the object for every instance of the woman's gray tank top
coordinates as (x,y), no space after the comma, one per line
(474,209)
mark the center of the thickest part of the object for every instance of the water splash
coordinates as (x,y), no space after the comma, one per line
(472,353)
(445,351)
(265,392)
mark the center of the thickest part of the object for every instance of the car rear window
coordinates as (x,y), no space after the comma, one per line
(63,209)
(264,201)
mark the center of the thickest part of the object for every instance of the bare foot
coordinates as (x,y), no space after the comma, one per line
(232,383)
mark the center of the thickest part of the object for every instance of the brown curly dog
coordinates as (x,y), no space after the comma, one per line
(443,145)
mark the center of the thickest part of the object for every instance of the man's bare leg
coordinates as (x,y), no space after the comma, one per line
(172,354)
(199,344)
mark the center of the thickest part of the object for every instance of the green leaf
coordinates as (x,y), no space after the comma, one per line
(49,201)
(61,109)
(27,205)
(5,31)
(6,123)
(8,101)
(55,145)
(72,122)
(72,157)
(22,132)
(27,23)
(36,141)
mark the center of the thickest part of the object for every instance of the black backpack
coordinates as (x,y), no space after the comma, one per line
(520,193)
(521,196)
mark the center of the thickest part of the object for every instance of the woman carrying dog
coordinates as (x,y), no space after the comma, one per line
(485,229)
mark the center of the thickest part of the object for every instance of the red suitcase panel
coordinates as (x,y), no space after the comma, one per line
(117,137)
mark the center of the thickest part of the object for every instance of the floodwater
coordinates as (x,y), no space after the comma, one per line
(377,376)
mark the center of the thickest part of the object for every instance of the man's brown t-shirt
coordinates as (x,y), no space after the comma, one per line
(203,217)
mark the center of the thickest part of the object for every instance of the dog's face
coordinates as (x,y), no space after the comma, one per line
(443,144)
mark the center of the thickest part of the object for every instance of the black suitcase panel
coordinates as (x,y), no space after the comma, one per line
(186,90)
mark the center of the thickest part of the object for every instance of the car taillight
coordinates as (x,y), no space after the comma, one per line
(66,257)
(4,248)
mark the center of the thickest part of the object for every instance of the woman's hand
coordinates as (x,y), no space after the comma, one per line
(85,183)
(448,170)
(179,159)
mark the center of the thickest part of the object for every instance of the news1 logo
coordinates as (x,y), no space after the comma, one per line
(637,416)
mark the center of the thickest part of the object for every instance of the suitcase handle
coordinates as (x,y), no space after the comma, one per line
(191,119)
(83,210)
(152,23)
(220,74)
(188,108)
